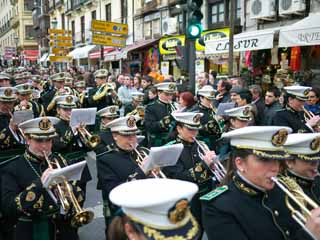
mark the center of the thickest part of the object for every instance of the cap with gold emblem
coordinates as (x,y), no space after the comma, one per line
(124,125)
(189,119)
(241,113)
(80,84)
(101,73)
(66,101)
(264,141)
(304,146)
(159,208)
(24,89)
(68,81)
(8,94)
(40,128)
(60,77)
(4,76)
(207,92)
(137,96)
(18,76)
(300,92)
(167,87)
(36,78)
(109,112)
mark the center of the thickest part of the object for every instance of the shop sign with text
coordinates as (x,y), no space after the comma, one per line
(168,45)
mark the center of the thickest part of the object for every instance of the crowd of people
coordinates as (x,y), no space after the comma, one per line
(240,148)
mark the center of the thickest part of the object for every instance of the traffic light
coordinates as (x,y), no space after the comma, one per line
(182,59)
(194,27)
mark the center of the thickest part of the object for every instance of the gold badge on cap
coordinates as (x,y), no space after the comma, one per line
(306,92)
(246,111)
(8,92)
(112,109)
(196,118)
(44,124)
(131,122)
(315,144)
(172,86)
(211,93)
(61,75)
(279,138)
(69,99)
(25,87)
(179,211)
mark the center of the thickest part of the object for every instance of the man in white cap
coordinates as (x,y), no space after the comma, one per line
(24,198)
(5,80)
(293,114)
(106,115)
(158,114)
(191,166)
(211,130)
(120,163)
(137,100)
(154,209)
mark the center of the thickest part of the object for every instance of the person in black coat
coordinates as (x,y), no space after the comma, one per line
(258,101)
(293,115)
(243,208)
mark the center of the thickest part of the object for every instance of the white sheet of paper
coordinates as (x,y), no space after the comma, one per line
(22,116)
(71,173)
(163,156)
(86,116)
(223,107)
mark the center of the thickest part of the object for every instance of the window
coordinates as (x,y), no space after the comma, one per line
(28,5)
(63,21)
(108,12)
(124,11)
(147,29)
(238,9)
(217,13)
(94,15)
(30,33)
(82,29)
(73,32)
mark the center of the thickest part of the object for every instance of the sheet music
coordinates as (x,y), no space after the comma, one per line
(86,116)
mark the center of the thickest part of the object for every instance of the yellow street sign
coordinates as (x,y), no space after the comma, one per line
(100,39)
(61,38)
(60,58)
(58,31)
(63,51)
(109,27)
(60,44)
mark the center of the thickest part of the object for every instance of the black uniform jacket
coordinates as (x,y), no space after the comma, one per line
(26,201)
(99,97)
(290,118)
(243,212)
(115,167)
(107,141)
(7,140)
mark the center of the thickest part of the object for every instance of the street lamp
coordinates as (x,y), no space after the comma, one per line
(16,41)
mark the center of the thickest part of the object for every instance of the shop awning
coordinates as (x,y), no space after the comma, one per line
(30,55)
(247,41)
(305,32)
(81,52)
(97,54)
(113,56)
(138,45)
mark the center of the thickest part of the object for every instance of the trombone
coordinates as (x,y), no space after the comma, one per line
(67,198)
(141,155)
(219,171)
(294,193)
(91,140)
(173,107)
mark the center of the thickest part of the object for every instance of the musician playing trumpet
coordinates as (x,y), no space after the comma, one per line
(25,201)
(191,166)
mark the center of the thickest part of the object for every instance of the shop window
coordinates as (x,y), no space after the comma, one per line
(30,33)
(108,12)
(217,13)
(147,29)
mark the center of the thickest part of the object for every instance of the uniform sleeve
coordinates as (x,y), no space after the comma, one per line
(279,120)
(219,225)
(151,122)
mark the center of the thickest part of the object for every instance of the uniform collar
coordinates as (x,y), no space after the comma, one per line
(159,100)
(32,157)
(185,143)
(245,186)
(302,181)
(201,106)
(290,109)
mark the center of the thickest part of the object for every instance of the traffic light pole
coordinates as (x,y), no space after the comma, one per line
(192,66)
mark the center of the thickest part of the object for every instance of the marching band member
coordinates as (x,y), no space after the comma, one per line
(106,115)
(80,87)
(137,100)
(191,166)
(211,130)
(158,114)
(154,209)
(5,80)
(24,198)
(25,102)
(293,113)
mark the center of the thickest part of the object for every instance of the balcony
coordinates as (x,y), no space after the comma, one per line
(5,28)
(68,6)
(150,6)
(14,21)
(58,3)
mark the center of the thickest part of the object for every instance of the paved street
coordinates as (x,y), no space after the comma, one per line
(95,230)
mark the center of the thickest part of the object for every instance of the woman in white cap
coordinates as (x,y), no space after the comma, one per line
(154,209)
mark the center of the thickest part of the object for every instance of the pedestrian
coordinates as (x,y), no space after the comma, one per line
(186,101)
(313,102)
(272,105)
(126,90)
(222,94)
(258,101)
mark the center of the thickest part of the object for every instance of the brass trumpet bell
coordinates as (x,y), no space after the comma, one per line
(82,218)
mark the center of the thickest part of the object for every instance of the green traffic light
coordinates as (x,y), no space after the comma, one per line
(194,30)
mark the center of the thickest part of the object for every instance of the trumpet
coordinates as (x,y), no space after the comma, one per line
(91,140)
(294,193)
(219,171)
(138,111)
(67,198)
(173,107)
(142,154)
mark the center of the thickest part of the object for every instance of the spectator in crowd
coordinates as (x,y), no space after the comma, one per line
(237,81)
(125,91)
(213,79)
(186,101)
(272,105)
(112,81)
(137,83)
(312,104)
(244,99)
(146,84)
(234,93)
(202,80)
(120,81)
(258,101)
(222,94)
(152,94)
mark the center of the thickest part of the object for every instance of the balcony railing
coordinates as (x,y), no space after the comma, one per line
(14,21)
